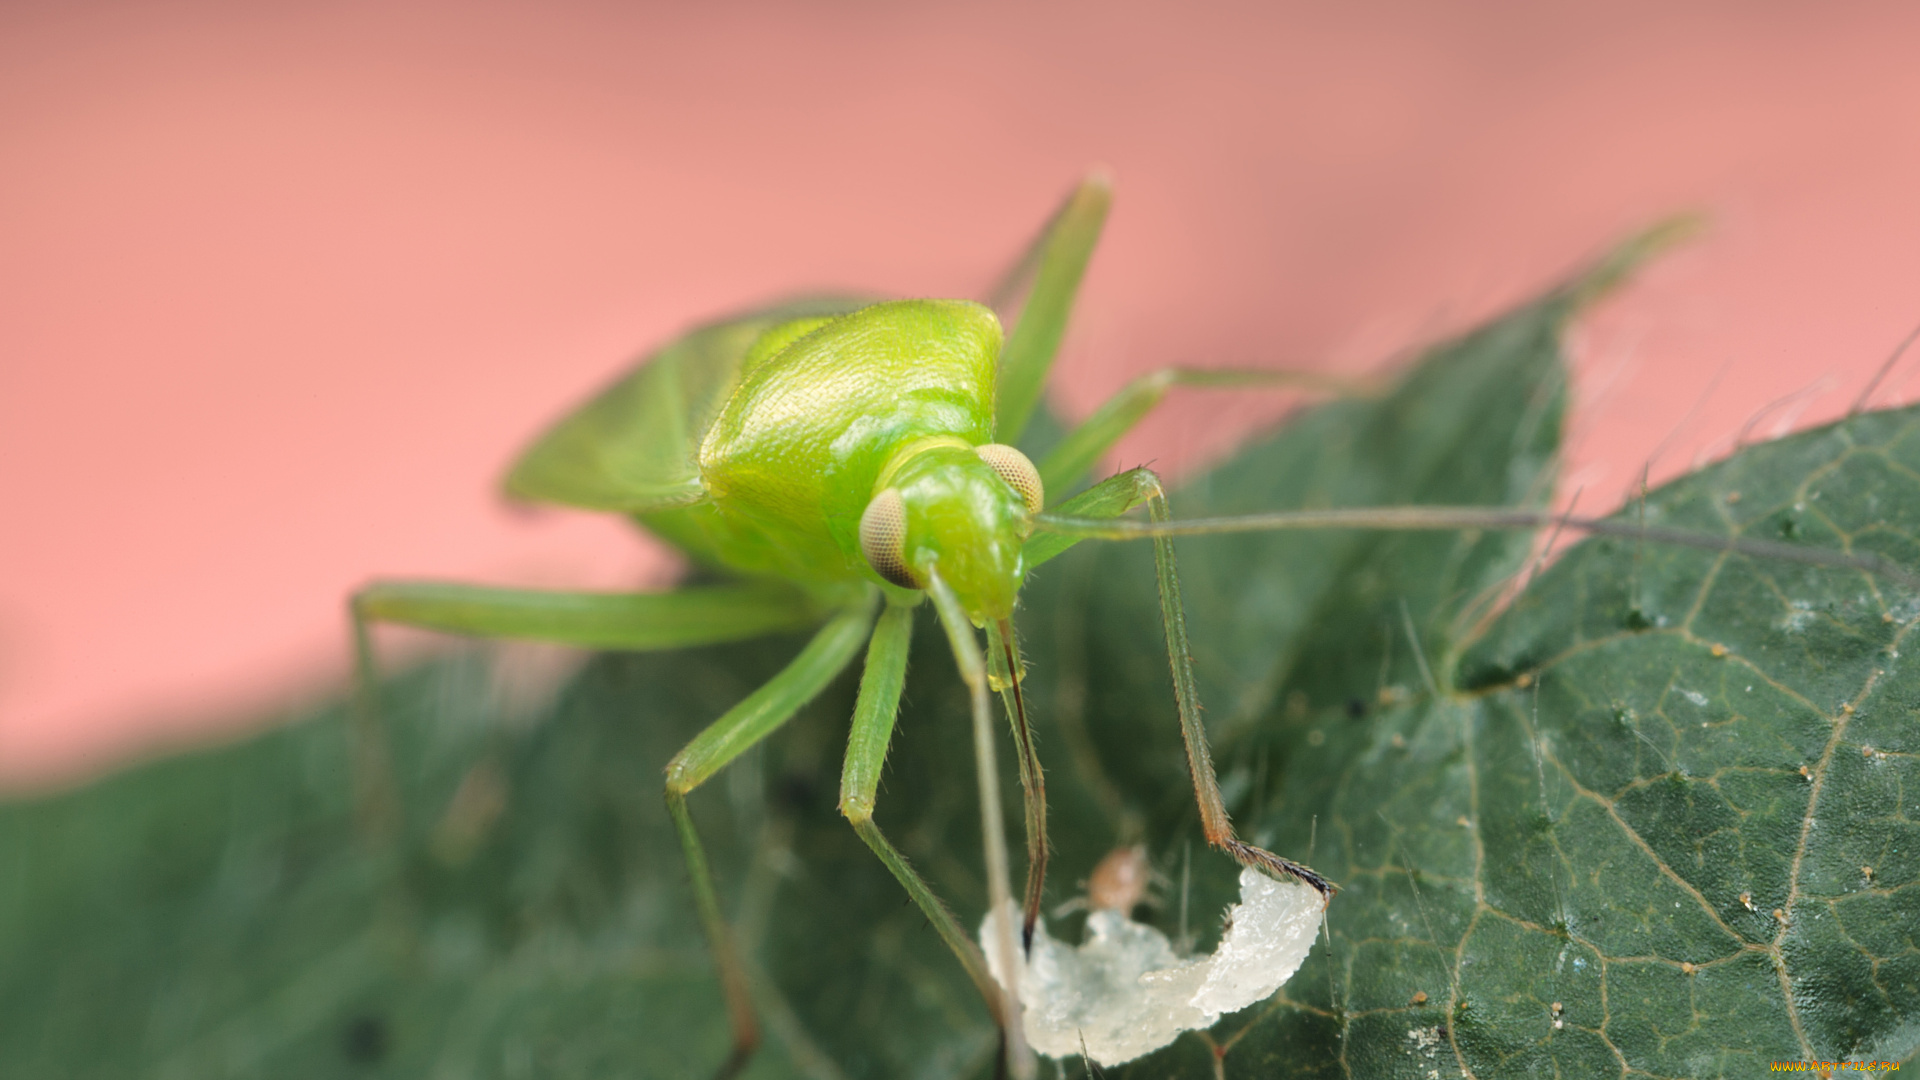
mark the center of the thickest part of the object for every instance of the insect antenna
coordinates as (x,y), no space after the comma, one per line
(1416,518)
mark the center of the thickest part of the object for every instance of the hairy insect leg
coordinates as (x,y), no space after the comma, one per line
(1054,265)
(725,739)
(1214,821)
(873,717)
(1083,447)
(1104,501)
(993,829)
(1004,672)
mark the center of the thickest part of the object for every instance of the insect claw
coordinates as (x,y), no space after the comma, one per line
(1276,867)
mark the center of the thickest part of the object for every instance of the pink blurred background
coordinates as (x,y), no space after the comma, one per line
(285,286)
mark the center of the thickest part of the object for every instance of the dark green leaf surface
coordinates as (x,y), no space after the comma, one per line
(1573,802)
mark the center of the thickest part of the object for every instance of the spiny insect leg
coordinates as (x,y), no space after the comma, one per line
(1206,786)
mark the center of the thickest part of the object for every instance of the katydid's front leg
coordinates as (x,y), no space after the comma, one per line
(1109,499)
(1004,668)
(1206,786)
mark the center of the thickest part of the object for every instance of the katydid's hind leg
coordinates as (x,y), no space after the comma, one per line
(1054,266)
(1206,786)
(721,742)
(873,716)
(1085,445)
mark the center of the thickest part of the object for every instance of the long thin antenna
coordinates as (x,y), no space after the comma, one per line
(1441,518)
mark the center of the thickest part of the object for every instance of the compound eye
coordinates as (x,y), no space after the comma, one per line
(883,539)
(1017,471)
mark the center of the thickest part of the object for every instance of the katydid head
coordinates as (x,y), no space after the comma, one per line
(968,511)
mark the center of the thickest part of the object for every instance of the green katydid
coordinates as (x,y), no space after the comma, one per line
(840,458)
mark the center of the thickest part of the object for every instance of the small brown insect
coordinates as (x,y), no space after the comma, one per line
(1687,967)
(1419,997)
(1718,650)
(1119,883)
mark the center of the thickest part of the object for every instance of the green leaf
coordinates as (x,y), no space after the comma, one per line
(1564,802)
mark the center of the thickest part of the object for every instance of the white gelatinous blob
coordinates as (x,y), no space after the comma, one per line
(1123,993)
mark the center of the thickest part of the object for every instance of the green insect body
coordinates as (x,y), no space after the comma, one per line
(830,412)
(839,461)
(830,457)
(853,453)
